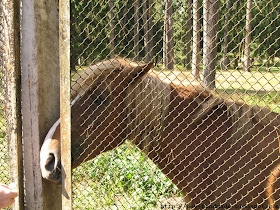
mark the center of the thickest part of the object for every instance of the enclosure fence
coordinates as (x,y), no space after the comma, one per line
(230,47)
(174,104)
(10,123)
(4,144)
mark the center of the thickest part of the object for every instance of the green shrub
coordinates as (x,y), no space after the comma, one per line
(127,175)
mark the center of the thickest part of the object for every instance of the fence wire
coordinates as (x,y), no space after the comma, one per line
(200,129)
(4,149)
(4,162)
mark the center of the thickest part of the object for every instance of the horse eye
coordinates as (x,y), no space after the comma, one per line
(100,99)
(118,70)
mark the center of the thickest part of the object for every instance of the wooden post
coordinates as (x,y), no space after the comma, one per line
(40,95)
(11,82)
(65,103)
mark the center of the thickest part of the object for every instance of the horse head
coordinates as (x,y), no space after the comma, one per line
(98,114)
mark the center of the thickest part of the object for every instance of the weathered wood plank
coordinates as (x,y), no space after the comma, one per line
(65,102)
(40,95)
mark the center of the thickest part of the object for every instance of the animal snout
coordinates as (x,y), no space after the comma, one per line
(50,162)
(51,167)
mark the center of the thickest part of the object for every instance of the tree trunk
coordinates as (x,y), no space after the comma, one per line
(73,60)
(235,62)
(146,33)
(196,39)
(247,61)
(136,30)
(210,31)
(150,21)
(168,34)
(112,34)
(225,61)
(268,64)
(73,54)
(164,47)
(189,35)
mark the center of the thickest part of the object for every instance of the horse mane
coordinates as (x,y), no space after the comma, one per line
(243,116)
(147,106)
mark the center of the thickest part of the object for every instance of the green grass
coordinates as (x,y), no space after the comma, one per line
(123,178)
(253,88)
(4,162)
(254,81)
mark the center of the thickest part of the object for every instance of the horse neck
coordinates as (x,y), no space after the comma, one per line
(155,108)
(152,104)
(147,102)
(177,123)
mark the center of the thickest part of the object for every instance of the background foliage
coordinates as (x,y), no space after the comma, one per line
(90,31)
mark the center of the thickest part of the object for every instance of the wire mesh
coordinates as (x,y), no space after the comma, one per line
(189,116)
(4,162)
(4,149)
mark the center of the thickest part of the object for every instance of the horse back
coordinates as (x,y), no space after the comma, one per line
(216,161)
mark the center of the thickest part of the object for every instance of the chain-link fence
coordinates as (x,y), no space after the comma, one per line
(4,162)
(10,120)
(182,134)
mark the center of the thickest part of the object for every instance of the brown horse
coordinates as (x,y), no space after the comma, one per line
(217,152)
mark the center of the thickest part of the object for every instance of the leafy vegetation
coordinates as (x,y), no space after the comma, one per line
(124,178)
(90,30)
(4,162)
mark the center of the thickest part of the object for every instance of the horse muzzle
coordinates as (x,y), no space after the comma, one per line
(51,168)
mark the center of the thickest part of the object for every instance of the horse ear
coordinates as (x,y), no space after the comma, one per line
(135,73)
